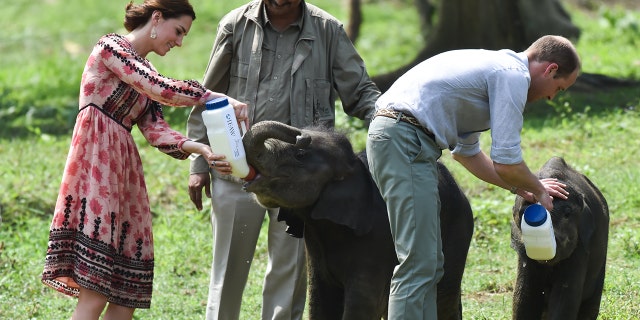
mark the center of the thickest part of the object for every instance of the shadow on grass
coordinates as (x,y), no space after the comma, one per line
(578,100)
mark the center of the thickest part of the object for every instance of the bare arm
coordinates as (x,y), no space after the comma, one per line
(516,175)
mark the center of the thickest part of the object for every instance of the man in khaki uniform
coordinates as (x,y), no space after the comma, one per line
(289,61)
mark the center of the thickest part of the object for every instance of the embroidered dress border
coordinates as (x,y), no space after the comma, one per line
(93,262)
(80,255)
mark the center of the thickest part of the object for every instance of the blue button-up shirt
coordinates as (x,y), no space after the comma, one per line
(459,94)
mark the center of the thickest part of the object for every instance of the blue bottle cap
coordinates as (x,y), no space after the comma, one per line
(216,103)
(535,215)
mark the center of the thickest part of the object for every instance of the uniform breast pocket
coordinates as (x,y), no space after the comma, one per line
(323,106)
(238,75)
(239,70)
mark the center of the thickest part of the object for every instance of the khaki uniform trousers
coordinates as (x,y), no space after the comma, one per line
(237,220)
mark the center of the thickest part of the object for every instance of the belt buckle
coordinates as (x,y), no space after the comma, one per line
(398,115)
(408,119)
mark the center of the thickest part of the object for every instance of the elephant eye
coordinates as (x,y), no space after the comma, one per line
(566,212)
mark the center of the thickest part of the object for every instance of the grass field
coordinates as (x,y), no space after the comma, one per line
(43,48)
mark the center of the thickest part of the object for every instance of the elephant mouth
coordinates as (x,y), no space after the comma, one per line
(261,189)
(247,185)
(261,180)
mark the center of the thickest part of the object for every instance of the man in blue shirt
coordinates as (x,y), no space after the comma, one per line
(442,103)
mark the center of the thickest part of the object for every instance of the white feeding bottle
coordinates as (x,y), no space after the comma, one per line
(537,233)
(225,136)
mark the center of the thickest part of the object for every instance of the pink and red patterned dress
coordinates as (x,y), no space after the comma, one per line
(100,237)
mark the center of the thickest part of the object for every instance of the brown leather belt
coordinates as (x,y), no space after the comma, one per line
(399,115)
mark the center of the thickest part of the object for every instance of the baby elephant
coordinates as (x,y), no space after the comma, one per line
(569,286)
(326,194)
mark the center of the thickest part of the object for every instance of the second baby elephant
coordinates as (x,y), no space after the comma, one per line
(315,178)
(569,286)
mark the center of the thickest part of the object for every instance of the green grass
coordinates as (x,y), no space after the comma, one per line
(44,45)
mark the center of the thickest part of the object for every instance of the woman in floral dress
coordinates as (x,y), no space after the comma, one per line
(100,243)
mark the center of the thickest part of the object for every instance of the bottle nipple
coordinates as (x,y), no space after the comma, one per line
(251,175)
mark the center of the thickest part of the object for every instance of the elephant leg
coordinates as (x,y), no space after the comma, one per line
(449,287)
(326,302)
(449,302)
(528,298)
(456,225)
(567,286)
(366,300)
(590,308)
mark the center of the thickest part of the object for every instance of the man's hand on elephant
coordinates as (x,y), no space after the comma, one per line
(196,182)
(552,189)
(555,188)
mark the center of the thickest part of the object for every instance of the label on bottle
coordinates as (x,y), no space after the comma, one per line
(225,136)
(235,137)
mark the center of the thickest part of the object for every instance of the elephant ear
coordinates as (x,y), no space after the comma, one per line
(595,205)
(516,232)
(586,225)
(350,201)
(295,225)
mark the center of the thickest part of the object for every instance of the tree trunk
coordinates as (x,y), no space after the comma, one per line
(487,24)
(355,20)
(426,11)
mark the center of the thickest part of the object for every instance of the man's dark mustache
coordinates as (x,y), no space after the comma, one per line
(275,4)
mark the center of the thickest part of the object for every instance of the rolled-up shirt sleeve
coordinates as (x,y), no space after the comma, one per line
(508,96)
(468,145)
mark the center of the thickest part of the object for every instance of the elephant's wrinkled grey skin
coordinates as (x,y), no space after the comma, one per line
(570,285)
(313,174)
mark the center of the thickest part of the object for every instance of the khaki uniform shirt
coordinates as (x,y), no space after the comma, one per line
(324,66)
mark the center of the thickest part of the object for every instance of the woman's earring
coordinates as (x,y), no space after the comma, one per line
(153,33)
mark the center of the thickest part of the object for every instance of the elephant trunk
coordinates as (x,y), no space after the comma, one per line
(254,139)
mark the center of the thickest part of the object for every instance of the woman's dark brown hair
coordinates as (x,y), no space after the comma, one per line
(137,15)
